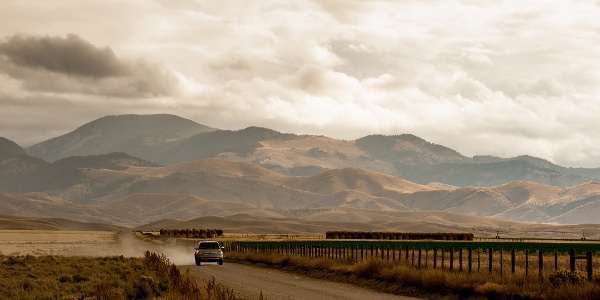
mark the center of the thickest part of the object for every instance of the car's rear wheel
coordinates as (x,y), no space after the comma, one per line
(220,262)
(198,262)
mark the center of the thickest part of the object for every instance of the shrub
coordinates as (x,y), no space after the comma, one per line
(564,277)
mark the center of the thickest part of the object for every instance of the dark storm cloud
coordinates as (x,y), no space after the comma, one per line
(72,65)
(70,55)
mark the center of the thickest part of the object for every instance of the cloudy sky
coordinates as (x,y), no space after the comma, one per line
(503,78)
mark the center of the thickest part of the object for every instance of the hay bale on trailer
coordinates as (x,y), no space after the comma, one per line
(220,232)
(203,233)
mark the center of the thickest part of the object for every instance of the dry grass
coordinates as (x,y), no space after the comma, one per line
(429,283)
(60,277)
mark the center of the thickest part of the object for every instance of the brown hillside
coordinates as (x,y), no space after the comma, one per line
(368,182)
(474,201)
(188,190)
(311,151)
(29,223)
(519,192)
(158,206)
(216,167)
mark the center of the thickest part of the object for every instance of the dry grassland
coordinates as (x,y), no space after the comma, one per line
(53,242)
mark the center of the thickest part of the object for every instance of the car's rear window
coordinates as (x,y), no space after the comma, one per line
(208,246)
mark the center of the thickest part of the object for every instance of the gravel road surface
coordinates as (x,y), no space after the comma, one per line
(248,282)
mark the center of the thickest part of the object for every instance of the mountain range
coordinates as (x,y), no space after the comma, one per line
(168,139)
(130,170)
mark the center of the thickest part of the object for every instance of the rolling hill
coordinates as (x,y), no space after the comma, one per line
(121,189)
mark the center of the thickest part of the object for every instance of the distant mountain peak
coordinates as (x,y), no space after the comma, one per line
(407,148)
(134,134)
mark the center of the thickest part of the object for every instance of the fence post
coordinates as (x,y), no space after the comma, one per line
(501,261)
(413,257)
(434,257)
(419,262)
(388,253)
(540,263)
(512,261)
(490,260)
(443,256)
(406,254)
(460,259)
(589,265)
(399,253)
(478,259)
(451,259)
(572,260)
(470,261)
(362,252)
(526,261)
(555,259)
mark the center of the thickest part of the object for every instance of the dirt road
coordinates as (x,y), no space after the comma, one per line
(248,282)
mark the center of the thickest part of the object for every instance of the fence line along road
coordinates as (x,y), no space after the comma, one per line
(500,261)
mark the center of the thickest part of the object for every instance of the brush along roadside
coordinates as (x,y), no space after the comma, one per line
(118,277)
(428,283)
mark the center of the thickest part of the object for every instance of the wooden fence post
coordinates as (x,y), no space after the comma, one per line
(419,262)
(555,259)
(526,261)
(490,260)
(590,266)
(443,256)
(435,257)
(512,261)
(501,261)
(362,252)
(540,263)
(470,260)
(460,259)
(388,253)
(451,259)
(478,259)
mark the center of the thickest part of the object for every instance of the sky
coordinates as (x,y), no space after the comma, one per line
(502,78)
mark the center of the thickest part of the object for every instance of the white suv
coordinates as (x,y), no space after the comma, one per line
(208,251)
